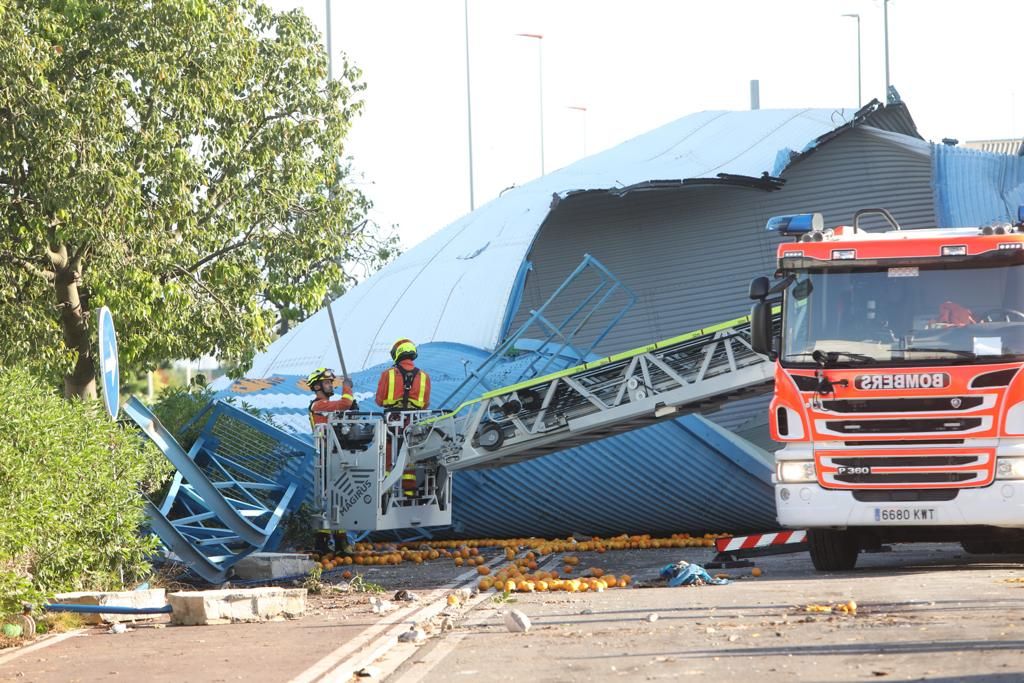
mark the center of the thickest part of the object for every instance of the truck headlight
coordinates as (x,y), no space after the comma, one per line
(795,471)
(1010,468)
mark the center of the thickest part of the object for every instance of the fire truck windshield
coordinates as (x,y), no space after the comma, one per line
(918,315)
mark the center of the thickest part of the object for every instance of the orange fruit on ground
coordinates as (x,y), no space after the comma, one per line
(458,561)
(510,586)
(346,574)
(756,571)
(483,570)
(485,584)
(596,572)
(624,580)
(567,569)
(610,580)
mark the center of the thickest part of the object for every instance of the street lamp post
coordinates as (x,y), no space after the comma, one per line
(330,52)
(885,13)
(584,110)
(540,81)
(469,108)
(857,17)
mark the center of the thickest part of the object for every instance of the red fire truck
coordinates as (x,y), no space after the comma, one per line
(899,390)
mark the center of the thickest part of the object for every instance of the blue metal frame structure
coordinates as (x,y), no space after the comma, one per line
(558,341)
(231,489)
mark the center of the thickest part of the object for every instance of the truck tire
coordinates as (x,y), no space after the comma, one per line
(833,550)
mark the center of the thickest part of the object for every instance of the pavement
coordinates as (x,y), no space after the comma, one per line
(924,612)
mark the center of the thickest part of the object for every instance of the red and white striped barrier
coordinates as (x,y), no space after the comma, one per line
(729,544)
(732,548)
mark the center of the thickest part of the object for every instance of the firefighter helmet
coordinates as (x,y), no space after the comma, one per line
(403,349)
(318,376)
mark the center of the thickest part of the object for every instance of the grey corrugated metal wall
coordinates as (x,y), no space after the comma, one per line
(689,253)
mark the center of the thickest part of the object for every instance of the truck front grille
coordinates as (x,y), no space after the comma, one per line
(907,426)
(904,469)
(904,405)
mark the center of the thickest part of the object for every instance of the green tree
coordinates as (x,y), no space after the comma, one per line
(181,162)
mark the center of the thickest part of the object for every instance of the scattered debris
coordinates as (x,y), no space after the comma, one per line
(516,621)
(381,606)
(683,573)
(413,635)
(406,596)
(849,607)
(368,672)
(652,617)
(117,628)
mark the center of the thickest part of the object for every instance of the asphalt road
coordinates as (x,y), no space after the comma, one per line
(924,612)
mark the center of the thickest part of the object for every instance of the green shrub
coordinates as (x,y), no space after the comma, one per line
(176,406)
(70,494)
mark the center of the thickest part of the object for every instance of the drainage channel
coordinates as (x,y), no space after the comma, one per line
(391,662)
(380,641)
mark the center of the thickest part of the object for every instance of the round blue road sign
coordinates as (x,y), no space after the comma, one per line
(109,373)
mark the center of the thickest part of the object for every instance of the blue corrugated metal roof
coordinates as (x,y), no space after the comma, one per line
(973,187)
(681,475)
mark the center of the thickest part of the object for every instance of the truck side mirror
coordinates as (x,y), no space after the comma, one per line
(761,329)
(759,287)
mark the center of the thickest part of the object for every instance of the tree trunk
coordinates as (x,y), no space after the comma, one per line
(81,383)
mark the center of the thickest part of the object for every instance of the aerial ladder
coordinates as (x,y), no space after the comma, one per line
(355,492)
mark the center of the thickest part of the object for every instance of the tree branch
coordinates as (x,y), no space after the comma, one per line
(199,283)
(28,266)
(80,255)
(194,268)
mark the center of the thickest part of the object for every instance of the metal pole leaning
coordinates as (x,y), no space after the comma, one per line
(337,342)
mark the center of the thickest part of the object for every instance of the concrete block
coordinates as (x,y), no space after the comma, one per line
(153,597)
(270,566)
(232,605)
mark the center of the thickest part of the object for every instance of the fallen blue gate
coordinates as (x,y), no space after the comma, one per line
(231,489)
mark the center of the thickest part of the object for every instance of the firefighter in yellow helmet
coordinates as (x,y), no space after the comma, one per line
(403,386)
(321,383)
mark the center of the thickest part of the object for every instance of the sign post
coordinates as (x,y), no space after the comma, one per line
(109,372)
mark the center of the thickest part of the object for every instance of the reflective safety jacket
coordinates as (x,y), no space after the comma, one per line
(404,386)
(319,406)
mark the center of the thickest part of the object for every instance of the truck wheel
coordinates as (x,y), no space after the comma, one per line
(832,550)
(976,547)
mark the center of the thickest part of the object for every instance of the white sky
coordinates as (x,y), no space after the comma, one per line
(635,65)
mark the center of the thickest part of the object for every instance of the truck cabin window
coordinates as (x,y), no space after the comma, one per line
(971,313)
